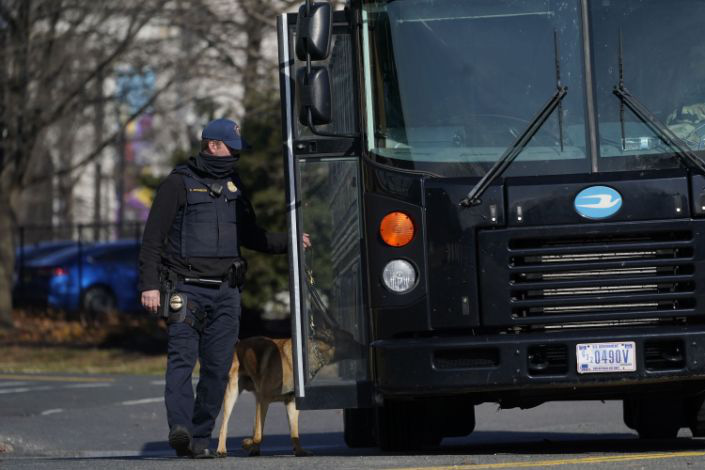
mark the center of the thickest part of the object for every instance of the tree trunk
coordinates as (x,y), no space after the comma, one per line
(7,260)
(251,75)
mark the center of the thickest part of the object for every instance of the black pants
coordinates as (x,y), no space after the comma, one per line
(214,346)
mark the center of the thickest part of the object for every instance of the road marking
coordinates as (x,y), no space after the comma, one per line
(41,388)
(194,381)
(12,384)
(89,385)
(54,378)
(52,411)
(144,401)
(556,463)
(5,391)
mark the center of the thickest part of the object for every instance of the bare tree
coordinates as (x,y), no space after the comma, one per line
(46,48)
(52,52)
(55,56)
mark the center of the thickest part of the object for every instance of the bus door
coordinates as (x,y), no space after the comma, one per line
(329,323)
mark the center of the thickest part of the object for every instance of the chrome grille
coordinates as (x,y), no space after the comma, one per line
(571,279)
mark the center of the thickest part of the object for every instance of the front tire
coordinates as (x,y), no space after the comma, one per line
(98,301)
(696,415)
(359,427)
(421,424)
(407,427)
(654,416)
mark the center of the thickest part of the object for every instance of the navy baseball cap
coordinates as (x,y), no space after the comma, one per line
(226,131)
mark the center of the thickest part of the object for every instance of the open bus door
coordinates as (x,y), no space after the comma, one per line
(329,323)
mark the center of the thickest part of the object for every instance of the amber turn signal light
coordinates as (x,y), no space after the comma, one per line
(396,229)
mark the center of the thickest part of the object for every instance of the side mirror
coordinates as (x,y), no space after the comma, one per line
(314,96)
(313,32)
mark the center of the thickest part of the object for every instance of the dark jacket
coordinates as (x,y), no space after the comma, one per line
(169,202)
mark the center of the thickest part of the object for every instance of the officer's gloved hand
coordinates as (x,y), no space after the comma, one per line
(151,300)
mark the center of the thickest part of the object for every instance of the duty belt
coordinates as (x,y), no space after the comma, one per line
(202,281)
(235,277)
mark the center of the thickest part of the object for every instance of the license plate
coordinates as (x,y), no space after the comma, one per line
(606,357)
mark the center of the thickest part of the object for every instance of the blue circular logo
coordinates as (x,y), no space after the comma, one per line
(598,202)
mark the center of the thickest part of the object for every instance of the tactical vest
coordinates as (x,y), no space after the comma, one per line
(206,226)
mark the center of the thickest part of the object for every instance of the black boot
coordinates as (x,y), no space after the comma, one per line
(200,450)
(180,440)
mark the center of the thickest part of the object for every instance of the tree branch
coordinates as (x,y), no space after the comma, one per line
(100,68)
(108,140)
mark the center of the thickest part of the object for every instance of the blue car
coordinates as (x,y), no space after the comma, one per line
(96,278)
(27,253)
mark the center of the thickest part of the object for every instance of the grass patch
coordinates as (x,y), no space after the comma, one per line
(66,359)
(53,342)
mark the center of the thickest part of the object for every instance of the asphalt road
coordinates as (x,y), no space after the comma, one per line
(89,422)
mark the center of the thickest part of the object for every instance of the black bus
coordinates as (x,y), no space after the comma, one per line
(506,200)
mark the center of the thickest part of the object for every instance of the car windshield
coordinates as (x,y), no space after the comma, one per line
(63,255)
(29,252)
(657,49)
(450,84)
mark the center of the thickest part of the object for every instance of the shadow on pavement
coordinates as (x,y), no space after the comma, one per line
(273,444)
(478,443)
(510,442)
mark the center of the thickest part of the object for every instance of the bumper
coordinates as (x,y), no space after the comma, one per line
(536,363)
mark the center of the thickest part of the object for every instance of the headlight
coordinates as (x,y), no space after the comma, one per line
(399,276)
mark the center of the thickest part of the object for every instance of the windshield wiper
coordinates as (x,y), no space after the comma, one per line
(659,128)
(500,166)
(647,117)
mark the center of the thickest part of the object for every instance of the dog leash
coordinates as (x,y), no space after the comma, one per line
(317,301)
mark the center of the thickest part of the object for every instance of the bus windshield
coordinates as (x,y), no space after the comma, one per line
(656,49)
(451,84)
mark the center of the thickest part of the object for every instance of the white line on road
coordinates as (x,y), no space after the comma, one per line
(194,381)
(24,389)
(144,401)
(89,385)
(52,411)
(12,384)
(54,378)
(41,388)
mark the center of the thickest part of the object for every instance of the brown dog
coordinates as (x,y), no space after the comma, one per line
(264,367)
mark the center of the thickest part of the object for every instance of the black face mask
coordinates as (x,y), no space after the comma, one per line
(219,167)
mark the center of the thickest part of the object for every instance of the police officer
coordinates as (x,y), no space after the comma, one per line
(191,252)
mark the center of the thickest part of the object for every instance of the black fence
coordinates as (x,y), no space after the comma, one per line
(30,236)
(72,241)
(80,233)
